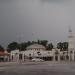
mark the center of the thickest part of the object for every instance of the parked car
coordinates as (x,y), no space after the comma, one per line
(37,59)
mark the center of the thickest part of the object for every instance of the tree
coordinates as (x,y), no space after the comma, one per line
(65,46)
(23,46)
(60,45)
(12,46)
(33,42)
(29,43)
(39,42)
(1,49)
(50,46)
(43,42)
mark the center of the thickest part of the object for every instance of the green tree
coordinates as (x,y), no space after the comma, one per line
(65,46)
(24,45)
(60,45)
(12,46)
(43,42)
(50,46)
(39,42)
(33,42)
(1,49)
(29,43)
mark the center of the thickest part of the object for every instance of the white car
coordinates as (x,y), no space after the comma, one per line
(37,59)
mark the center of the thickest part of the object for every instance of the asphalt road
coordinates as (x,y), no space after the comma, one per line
(38,68)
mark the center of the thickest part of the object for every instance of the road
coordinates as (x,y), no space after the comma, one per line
(38,68)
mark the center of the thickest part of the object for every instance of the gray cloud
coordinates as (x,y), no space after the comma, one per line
(46,19)
(55,1)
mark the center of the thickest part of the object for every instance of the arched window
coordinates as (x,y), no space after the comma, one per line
(71,52)
(20,56)
(29,55)
(48,52)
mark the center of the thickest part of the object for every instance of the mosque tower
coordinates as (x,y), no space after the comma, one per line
(71,51)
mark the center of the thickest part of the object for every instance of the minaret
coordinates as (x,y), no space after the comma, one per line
(71,45)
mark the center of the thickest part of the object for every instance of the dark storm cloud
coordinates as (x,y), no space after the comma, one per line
(45,19)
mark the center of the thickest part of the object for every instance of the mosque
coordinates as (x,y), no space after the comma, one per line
(39,51)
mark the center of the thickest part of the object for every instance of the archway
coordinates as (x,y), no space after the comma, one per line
(56,58)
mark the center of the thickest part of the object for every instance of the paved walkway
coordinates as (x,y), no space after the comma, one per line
(30,62)
(37,68)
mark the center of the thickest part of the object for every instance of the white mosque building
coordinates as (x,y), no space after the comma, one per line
(39,51)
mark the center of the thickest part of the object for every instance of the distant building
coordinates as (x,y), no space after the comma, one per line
(71,49)
(39,51)
(4,56)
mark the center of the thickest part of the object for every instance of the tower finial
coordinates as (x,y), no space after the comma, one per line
(70,32)
(70,28)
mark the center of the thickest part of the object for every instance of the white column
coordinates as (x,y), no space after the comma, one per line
(23,57)
(54,57)
(58,57)
(73,56)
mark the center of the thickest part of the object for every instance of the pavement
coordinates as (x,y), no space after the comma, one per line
(37,68)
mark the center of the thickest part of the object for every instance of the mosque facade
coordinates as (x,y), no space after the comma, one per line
(39,51)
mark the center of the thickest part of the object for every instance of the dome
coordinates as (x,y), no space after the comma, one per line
(36,46)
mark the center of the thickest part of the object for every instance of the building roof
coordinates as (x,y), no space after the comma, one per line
(36,46)
(4,54)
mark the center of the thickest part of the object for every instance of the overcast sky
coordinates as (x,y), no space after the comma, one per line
(24,20)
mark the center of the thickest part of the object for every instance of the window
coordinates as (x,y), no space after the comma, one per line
(48,52)
(71,52)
